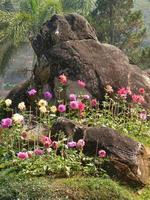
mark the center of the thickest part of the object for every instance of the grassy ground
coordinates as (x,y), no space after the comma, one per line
(77,188)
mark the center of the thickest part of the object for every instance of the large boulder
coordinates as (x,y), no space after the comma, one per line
(68,44)
(127,158)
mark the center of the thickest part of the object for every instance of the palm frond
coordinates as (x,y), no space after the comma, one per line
(17,26)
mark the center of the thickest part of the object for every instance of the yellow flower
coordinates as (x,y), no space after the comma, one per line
(53,109)
(8,102)
(42,102)
(43,109)
(17,118)
(22,106)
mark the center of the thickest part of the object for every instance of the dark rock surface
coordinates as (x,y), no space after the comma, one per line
(129,158)
(68,44)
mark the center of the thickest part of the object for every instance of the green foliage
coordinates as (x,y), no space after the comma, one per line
(55,166)
(82,7)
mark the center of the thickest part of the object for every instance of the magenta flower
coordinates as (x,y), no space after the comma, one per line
(80,144)
(48,95)
(61,108)
(6,123)
(38,152)
(22,155)
(32,92)
(72,97)
(74,105)
(102,154)
(71,144)
(81,84)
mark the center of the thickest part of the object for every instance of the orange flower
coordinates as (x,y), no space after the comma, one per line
(109,89)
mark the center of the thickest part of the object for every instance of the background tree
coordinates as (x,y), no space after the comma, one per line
(82,7)
(16,25)
(117,23)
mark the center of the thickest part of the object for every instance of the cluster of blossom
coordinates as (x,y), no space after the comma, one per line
(124,92)
(49,145)
(8,122)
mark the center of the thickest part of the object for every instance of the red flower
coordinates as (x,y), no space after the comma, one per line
(141,91)
(63,79)
(81,106)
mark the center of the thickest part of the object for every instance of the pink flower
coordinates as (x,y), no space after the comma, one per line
(6,123)
(80,144)
(61,108)
(46,141)
(22,155)
(102,154)
(55,145)
(48,95)
(32,92)
(81,83)
(38,152)
(141,91)
(93,102)
(62,79)
(72,144)
(74,105)
(123,92)
(72,97)
(137,98)
(143,115)
(81,106)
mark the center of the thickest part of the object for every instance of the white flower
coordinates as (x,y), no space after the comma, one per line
(17,118)
(22,106)
(8,102)
(53,109)
(43,109)
(42,102)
